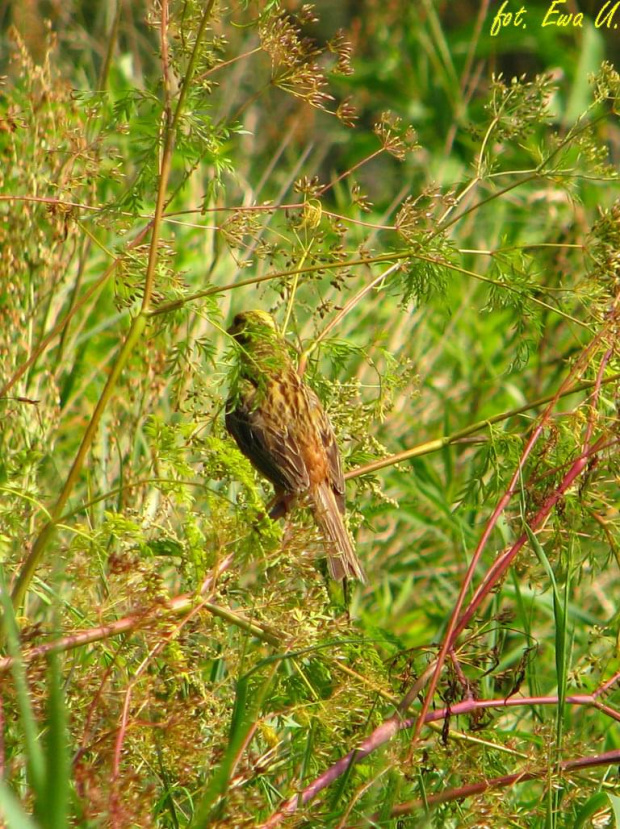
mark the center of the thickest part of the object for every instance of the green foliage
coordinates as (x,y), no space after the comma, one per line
(436,233)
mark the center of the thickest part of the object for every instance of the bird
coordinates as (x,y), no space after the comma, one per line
(280,425)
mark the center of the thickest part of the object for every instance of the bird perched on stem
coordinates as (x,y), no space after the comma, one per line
(280,426)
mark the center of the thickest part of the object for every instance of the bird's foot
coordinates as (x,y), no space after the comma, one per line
(280,504)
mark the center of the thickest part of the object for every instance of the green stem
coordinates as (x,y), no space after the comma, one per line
(387,257)
(447,440)
(166,161)
(38,548)
(133,336)
(261,632)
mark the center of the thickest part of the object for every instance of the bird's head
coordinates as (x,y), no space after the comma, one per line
(249,326)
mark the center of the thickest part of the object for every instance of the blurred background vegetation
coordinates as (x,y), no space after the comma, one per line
(432,215)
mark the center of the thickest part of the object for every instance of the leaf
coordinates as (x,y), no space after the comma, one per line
(596,803)
(35,759)
(56,803)
(12,812)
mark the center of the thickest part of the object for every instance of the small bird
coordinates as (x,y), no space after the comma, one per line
(280,426)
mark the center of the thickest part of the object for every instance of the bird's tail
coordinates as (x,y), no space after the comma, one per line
(341,557)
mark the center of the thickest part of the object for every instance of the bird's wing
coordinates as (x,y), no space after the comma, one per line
(265,438)
(328,438)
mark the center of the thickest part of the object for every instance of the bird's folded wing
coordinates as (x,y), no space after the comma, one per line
(270,447)
(328,438)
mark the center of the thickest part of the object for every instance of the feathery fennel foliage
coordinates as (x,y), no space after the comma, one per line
(449,288)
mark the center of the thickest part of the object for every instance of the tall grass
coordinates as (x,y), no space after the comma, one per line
(440,243)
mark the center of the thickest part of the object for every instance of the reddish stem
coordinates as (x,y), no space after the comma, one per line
(392,726)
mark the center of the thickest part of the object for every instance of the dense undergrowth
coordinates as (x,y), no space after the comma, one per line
(440,244)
